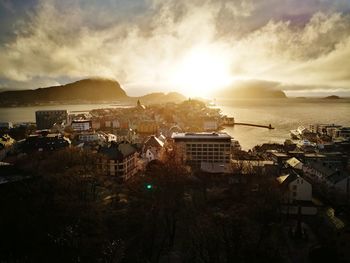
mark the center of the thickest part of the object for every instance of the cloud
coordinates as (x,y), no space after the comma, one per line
(141,42)
(7,4)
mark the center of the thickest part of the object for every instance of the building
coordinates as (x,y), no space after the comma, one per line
(139,106)
(210,124)
(6,145)
(45,142)
(92,137)
(152,148)
(296,192)
(278,157)
(333,178)
(324,129)
(46,119)
(294,163)
(119,160)
(210,152)
(81,125)
(6,125)
(343,132)
(147,127)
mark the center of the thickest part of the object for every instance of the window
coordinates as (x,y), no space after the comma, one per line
(294,187)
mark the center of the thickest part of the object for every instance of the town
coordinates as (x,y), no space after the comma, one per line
(307,177)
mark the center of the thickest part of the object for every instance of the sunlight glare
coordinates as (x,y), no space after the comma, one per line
(201,71)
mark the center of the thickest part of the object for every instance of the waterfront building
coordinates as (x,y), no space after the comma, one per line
(210,152)
(343,132)
(47,118)
(324,129)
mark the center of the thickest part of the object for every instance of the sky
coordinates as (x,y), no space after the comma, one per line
(194,47)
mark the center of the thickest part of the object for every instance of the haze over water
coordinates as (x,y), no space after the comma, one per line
(283,114)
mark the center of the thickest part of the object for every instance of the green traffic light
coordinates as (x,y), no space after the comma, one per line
(149,186)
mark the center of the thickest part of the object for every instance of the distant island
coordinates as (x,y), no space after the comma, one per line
(251,90)
(83,91)
(332,97)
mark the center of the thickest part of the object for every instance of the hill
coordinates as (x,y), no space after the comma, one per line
(86,90)
(159,97)
(251,90)
(332,97)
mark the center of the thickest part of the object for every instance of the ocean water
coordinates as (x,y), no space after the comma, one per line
(283,114)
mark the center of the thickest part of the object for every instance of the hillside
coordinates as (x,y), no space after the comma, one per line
(332,97)
(251,90)
(159,97)
(86,90)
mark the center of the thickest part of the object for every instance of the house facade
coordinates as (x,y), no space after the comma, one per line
(119,160)
(207,151)
(296,192)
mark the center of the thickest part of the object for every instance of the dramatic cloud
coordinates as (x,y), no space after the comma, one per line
(143,43)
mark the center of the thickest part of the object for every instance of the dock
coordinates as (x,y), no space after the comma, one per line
(253,125)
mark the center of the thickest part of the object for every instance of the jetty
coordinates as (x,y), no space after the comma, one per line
(254,125)
(230,121)
(250,124)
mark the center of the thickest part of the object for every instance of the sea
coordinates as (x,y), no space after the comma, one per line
(283,114)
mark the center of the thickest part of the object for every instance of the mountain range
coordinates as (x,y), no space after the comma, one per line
(82,91)
(105,90)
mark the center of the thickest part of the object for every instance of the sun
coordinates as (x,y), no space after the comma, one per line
(201,71)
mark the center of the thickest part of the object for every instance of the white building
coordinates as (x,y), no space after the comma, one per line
(152,148)
(81,125)
(91,137)
(151,155)
(209,151)
(297,192)
(111,137)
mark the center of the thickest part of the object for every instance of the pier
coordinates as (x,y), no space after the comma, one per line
(253,125)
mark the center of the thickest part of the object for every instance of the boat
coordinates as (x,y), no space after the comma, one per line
(295,134)
(299,133)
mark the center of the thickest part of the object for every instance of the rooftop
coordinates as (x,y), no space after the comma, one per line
(200,135)
(293,162)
